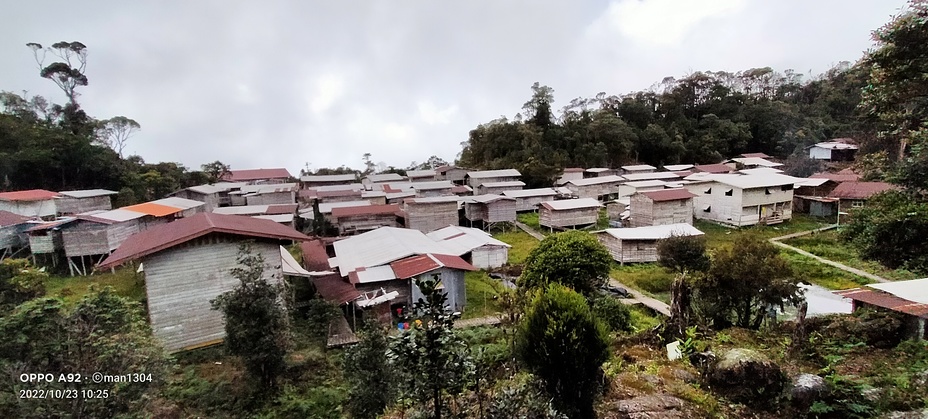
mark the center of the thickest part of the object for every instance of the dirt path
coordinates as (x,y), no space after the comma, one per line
(777,241)
(654,304)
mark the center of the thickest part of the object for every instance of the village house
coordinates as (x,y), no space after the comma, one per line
(568,213)
(76,202)
(739,163)
(617,209)
(743,200)
(430,214)
(371,181)
(97,234)
(600,172)
(476,178)
(13,237)
(426,175)
(325,210)
(490,210)
(669,206)
(638,169)
(475,246)
(601,188)
(399,197)
(834,150)
(281,193)
(810,196)
(34,203)
(678,167)
(354,220)
(252,210)
(313,181)
(45,240)
(570,173)
(212,195)
(856,194)
(187,264)
(712,168)
(187,207)
(256,176)
(455,175)
(434,188)
(845,175)
(530,199)
(638,177)
(337,196)
(639,244)
(758,155)
(759,171)
(909,298)
(462,190)
(496,188)
(630,188)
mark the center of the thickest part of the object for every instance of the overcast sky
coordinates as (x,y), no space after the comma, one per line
(282,83)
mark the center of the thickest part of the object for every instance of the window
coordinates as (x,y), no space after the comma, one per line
(682,202)
(766,191)
(786,187)
(729,192)
(707,208)
(707,191)
(857,204)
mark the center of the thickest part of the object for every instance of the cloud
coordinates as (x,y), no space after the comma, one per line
(432,115)
(662,22)
(328,89)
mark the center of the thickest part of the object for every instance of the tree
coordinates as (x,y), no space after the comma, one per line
(561,341)
(370,378)
(682,255)
(216,171)
(891,229)
(432,359)
(746,281)
(573,258)
(369,166)
(19,282)
(613,313)
(257,327)
(68,73)
(115,132)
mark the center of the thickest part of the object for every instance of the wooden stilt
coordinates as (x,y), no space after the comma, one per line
(71,266)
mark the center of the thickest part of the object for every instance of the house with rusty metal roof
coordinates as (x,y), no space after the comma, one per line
(76,202)
(856,194)
(255,176)
(13,238)
(34,203)
(187,264)
(639,244)
(910,298)
(568,213)
(667,206)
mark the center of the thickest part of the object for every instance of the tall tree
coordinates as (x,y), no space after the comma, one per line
(369,375)
(216,171)
(115,132)
(68,73)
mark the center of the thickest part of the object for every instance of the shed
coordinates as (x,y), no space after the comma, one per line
(354,220)
(832,151)
(909,298)
(570,173)
(312,181)
(530,199)
(490,209)
(187,264)
(569,213)
(211,195)
(678,167)
(455,175)
(426,175)
(475,246)
(34,203)
(810,196)
(282,193)
(430,214)
(712,168)
(433,188)
(630,188)
(187,207)
(639,244)
(602,188)
(254,176)
(371,180)
(638,168)
(76,202)
(157,214)
(13,237)
(856,194)
(496,188)
(45,237)
(476,178)
(668,206)
(617,209)
(97,233)
(600,172)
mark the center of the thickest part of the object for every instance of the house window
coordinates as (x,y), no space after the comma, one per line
(729,192)
(707,191)
(857,204)
(682,203)
(707,208)
(766,191)
(786,187)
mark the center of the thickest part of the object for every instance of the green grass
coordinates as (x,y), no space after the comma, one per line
(648,278)
(72,289)
(522,244)
(602,222)
(829,246)
(642,318)
(530,219)
(717,236)
(481,295)
(821,274)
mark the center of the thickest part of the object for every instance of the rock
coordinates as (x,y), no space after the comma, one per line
(872,394)
(685,376)
(918,414)
(651,407)
(748,377)
(807,388)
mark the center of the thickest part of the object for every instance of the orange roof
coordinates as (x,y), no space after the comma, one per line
(153,209)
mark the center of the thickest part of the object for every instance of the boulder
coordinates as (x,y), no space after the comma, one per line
(746,376)
(806,389)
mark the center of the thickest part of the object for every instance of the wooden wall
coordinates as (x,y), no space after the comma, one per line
(433,192)
(484,190)
(212,200)
(489,256)
(38,209)
(629,251)
(430,216)
(353,224)
(567,218)
(594,191)
(73,206)
(645,212)
(531,203)
(287,197)
(84,238)
(48,243)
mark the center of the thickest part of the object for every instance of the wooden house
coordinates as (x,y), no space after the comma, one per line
(490,209)
(212,196)
(97,234)
(370,180)
(639,244)
(34,203)
(638,177)
(434,188)
(600,172)
(77,202)
(258,176)
(475,246)
(834,150)
(846,175)
(399,197)
(477,178)
(810,196)
(312,181)
(570,173)
(455,175)
(430,214)
(281,193)
(13,237)
(630,188)
(45,239)
(856,194)
(496,188)
(617,209)
(739,163)
(354,220)
(743,200)
(678,167)
(187,264)
(462,190)
(669,206)
(601,188)
(156,214)
(426,175)
(638,168)
(375,197)
(530,199)
(187,207)
(569,213)
(909,299)
(339,196)
(758,155)
(712,168)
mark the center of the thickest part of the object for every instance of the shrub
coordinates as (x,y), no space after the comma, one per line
(613,313)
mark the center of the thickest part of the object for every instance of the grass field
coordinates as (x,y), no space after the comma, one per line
(829,246)
(530,219)
(481,293)
(717,235)
(648,278)
(522,244)
(72,289)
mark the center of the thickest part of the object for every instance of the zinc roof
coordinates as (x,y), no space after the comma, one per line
(87,193)
(653,232)
(569,204)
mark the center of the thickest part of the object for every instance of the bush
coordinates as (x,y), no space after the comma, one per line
(881,329)
(615,314)
(656,284)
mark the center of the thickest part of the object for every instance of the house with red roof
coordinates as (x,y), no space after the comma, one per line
(34,203)
(856,194)
(667,206)
(12,233)
(255,176)
(908,298)
(354,220)
(187,264)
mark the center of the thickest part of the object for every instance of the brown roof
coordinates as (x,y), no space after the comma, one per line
(683,173)
(574,169)
(9,219)
(333,194)
(417,265)
(256,174)
(335,290)
(839,177)
(281,209)
(759,155)
(712,168)
(668,195)
(886,300)
(456,189)
(859,190)
(365,210)
(30,195)
(168,235)
(314,256)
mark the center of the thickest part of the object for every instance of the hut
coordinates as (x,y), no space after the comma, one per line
(76,202)
(475,246)
(430,214)
(187,207)
(751,163)
(258,176)
(354,220)
(490,209)
(339,196)
(530,199)
(832,151)
(638,168)
(496,188)
(370,180)
(601,188)
(570,173)
(476,178)
(13,236)
(569,213)
(639,244)
(312,181)
(669,206)
(156,214)
(399,197)
(281,193)
(433,188)
(810,196)
(211,195)
(909,299)
(618,208)
(45,239)
(426,175)
(855,194)
(34,203)
(455,175)
(97,234)
(462,190)
(631,188)
(187,264)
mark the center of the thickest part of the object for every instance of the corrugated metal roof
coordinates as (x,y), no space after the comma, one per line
(348,187)
(481,174)
(156,210)
(420,173)
(677,167)
(646,183)
(599,169)
(755,161)
(51,225)
(29,195)
(573,170)
(10,219)
(168,235)
(653,232)
(569,204)
(668,195)
(277,218)
(242,210)
(754,181)
(462,240)
(382,246)
(526,193)
(335,290)
(207,189)
(373,194)
(329,178)
(859,190)
(314,255)
(506,184)
(87,193)
(426,186)
(461,189)
(179,203)
(811,182)
(836,146)
(246,175)
(487,198)
(385,177)
(837,177)
(712,168)
(433,200)
(270,188)
(759,171)
(596,180)
(420,264)
(634,177)
(365,210)
(290,266)
(912,290)
(327,207)
(372,274)
(886,300)
(118,215)
(281,209)
(398,195)
(638,167)
(758,155)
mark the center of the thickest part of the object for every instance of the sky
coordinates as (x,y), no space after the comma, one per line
(288,83)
